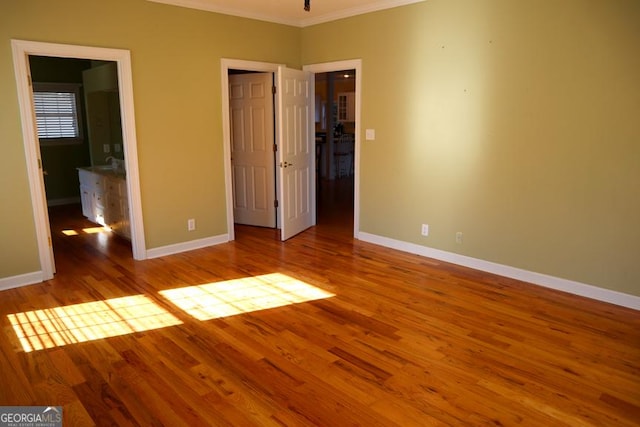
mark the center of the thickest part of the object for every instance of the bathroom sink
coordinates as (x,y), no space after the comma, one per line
(105,169)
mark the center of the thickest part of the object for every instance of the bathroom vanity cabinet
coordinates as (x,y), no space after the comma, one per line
(103,193)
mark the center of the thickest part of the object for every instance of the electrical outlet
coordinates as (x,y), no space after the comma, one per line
(191,224)
(425,230)
(459,237)
(106,148)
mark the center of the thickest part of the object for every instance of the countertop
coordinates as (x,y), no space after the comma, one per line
(105,170)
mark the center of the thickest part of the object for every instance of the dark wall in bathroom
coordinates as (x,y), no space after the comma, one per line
(60,161)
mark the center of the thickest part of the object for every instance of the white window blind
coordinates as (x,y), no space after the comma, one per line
(56,109)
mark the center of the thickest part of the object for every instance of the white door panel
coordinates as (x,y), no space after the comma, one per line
(296,151)
(252,158)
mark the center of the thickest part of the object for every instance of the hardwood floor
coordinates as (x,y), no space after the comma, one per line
(384,338)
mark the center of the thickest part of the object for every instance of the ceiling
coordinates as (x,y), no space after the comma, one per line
(290,12)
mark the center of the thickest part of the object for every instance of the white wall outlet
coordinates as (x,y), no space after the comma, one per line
(425,230)
(459,237)
(117,148)
(191,224)
(106,148)
(370,134)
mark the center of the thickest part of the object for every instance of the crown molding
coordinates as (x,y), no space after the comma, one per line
(208,6)
(354,11)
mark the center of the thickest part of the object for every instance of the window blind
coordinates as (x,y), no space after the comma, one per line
(56,114)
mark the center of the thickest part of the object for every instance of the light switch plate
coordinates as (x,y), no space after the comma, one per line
(370,134)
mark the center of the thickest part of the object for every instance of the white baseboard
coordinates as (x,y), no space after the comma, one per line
(37,277)
(576,288)
(20,280)
(66,201)
(187,246)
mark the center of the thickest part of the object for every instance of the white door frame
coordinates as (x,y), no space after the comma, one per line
(327,67)
(21,51)
(226,65)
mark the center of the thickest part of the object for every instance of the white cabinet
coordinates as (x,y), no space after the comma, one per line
(116,213)
(86,198)
(92,195)
(347,107)
(104,199)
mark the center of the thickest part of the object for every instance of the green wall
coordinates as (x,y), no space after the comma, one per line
(176,56)
(516,123)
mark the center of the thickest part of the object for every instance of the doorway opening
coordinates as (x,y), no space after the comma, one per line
(241,67)
(253,148)
(77,108)
(337,126)
(335,120)
(123,149)
(291,181)
(294,148)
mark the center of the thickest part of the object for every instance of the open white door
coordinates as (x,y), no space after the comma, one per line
(252,157)
(296,151)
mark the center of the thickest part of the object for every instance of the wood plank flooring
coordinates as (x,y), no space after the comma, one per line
(403,341)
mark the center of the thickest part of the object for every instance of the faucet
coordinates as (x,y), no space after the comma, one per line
(115,163)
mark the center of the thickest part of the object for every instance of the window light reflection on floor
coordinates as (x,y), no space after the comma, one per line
(88,230)
(231,297)
(94,230)
(58,326)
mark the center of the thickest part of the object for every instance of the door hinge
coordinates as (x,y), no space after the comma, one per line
(39,164)
(275,147)
(275,203)
(49,241)
(273,90)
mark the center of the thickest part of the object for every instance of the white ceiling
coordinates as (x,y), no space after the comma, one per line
(290,12)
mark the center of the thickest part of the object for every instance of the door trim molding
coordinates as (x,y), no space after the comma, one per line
(350,64)
(227,64)
(21,50)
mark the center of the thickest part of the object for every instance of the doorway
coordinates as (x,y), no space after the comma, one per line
(77,110)
(335,147)
(253,154)
(22,50)
(354,199)
(295,179)
(338,134)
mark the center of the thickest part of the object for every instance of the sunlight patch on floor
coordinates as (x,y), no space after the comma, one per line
(88,230)
(58,326)
(231,297)
(93,230)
